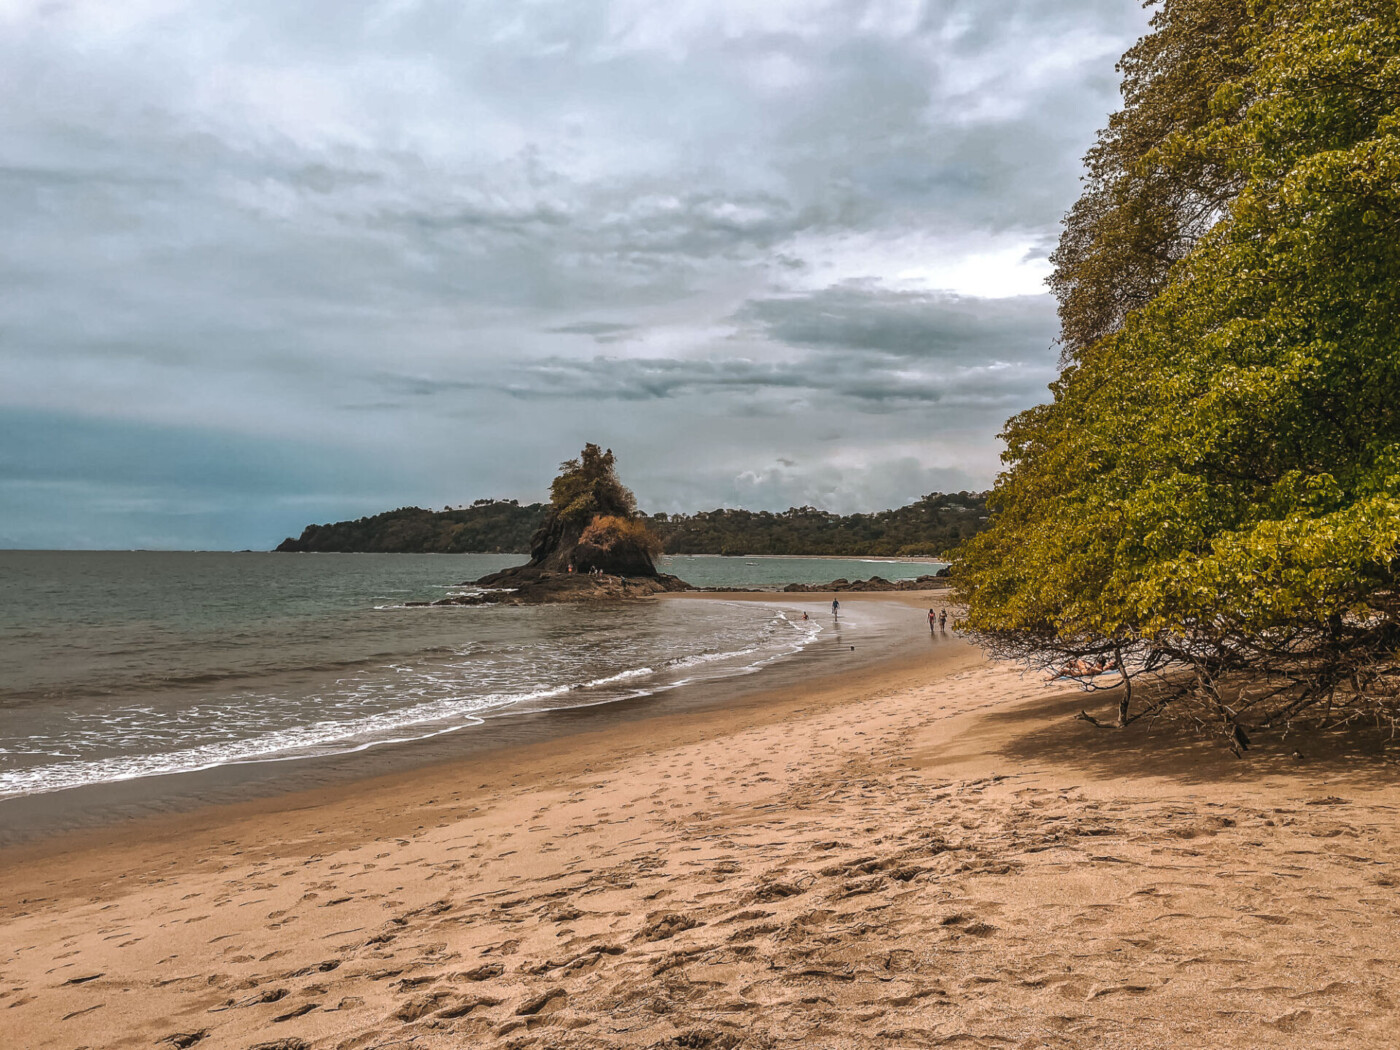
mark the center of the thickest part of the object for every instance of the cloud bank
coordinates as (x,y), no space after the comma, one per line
(271,263)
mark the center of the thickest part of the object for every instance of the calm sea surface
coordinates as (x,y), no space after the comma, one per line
(117,665)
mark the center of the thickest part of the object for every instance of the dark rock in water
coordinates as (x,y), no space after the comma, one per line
(875,583)
(945,572)
(592,545)
(592,522)
(525,585)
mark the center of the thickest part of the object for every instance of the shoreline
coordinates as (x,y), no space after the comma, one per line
(915,853)
(37,818)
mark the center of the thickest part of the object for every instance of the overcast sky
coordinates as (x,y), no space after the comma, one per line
(269,262)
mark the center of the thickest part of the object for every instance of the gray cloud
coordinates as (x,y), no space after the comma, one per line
(859,347)
(923,325)
(601,331)
(406,229)
(866,388)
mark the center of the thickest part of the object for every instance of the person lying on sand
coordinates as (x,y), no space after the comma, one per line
(1085,668)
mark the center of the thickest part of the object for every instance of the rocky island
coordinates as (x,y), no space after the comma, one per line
(592,545)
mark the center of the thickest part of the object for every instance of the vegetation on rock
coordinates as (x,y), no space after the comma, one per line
(608,532)
(592,521)
(1212,498)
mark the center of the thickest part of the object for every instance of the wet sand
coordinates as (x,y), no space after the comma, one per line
(930,852)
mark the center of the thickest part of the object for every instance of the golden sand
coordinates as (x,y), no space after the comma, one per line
(927,856)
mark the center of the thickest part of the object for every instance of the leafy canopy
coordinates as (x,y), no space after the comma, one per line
(588,486)
(1215,485)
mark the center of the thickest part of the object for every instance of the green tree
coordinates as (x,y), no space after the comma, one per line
(1151,190)
(588,486)
(592,521)
(1215,487)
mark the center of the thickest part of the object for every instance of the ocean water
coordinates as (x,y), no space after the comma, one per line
(708,570)
(123,665)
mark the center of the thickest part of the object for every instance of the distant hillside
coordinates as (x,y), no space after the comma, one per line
(931,526)
(486,526)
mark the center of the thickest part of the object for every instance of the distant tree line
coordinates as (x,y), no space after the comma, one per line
(487,526)
(931,526)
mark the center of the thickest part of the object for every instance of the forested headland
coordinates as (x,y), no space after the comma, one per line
(487,526)
(1210,503)
(932,526)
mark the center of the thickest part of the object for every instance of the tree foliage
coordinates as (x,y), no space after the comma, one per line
(1150,190)
(1213,494)
(592,521)
(486,526)
(588,486)
(609,533)
(929,527)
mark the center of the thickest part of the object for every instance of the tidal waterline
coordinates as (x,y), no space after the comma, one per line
(133,666)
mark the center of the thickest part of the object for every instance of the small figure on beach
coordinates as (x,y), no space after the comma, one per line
(943,620)
(1074,669)
(835,607)
(804,616)
(932,619)
(1085,668)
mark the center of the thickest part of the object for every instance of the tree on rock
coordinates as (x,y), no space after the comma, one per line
(592,522)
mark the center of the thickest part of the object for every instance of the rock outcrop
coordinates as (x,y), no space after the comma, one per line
(592,545)
(875,583)
(546,587)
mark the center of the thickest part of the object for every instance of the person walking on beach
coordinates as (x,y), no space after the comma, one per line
(942,620)
(932,620)
(835,607)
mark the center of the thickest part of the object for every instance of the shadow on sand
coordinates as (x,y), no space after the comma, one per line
(1173,748)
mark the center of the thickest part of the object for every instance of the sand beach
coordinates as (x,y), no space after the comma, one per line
(929,852)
